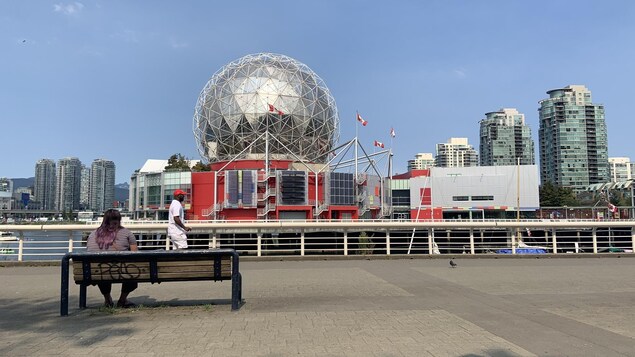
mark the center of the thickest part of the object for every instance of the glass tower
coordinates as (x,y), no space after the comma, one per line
(504,139)
(573,139)
(85,189)
(45,181)
(69,178)
(102,185)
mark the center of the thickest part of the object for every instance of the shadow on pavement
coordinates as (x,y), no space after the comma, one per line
(35,324)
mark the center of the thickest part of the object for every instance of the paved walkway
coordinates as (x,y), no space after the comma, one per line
(420,307)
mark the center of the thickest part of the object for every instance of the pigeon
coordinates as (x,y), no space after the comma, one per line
(452,263)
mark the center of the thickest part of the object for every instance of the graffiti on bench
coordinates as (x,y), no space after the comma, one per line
(119,270)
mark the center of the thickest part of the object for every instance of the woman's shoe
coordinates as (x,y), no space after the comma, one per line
(127,305)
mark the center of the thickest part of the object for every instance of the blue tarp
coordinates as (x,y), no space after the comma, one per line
(522,251)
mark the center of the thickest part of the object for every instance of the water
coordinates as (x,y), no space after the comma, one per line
(50,245)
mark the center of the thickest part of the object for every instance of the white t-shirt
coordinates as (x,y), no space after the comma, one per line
(176,210)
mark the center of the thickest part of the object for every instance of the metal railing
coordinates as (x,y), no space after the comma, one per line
(345,237)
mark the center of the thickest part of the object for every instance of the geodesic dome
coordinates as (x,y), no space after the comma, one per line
(261,93)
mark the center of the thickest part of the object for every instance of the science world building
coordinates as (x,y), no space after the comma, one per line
(268,127)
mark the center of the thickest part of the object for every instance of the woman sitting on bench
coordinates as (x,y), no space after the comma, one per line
(111,235)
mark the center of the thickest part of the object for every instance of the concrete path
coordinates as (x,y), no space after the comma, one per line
(418,307)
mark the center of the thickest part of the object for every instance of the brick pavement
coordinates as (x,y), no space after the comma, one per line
(407,307)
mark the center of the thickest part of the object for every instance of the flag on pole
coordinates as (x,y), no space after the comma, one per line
(612,208)
(392,133)
(361,120)
(379,144)
(274,109)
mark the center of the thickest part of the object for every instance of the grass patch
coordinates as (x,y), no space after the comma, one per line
(162,306)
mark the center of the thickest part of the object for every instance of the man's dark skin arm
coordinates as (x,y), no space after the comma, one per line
(177,221)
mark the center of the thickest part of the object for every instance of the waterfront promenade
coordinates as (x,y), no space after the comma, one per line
(402,307)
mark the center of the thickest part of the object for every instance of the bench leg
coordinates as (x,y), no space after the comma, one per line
(237,292)
(82,296)
(64,288)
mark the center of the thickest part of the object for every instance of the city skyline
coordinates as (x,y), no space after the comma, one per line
(133,82)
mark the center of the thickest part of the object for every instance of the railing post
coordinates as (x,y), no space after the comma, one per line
(259,244)
(21,246)
(215,243)
(302,242)
(513,239)
(387,241)
(472,241)
(554,243)
(430,238)
(595,240)
(70,241)
(345,242)
(633,239)
(167,242)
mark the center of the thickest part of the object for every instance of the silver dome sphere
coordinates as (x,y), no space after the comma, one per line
(265,92)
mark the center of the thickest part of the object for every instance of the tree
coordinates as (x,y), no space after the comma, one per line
(199,167)
(178,162)
(556,196)
(619,198)
(365,244)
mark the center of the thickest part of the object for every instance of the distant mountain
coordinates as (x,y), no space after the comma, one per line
(121,191)
(23,182)
(123,185)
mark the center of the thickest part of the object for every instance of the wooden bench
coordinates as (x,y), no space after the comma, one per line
(90,268)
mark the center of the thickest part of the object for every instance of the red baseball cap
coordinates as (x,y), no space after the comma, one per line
(178,191)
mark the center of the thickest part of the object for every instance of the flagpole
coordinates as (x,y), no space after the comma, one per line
(390,155)
(356,142)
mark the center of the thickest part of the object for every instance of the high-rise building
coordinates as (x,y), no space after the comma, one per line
(84,195)
(102,185)
(421,161)
(620,168)
(45,181)
(505,139)
(69,178)
(573,139)
(456,153)
(6,191)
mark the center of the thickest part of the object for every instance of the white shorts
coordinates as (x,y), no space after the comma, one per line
(179,240)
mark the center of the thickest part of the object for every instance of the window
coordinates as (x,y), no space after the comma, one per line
(460,198)
(482,198)
(342,189)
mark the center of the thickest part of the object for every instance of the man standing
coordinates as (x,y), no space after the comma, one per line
(177,231)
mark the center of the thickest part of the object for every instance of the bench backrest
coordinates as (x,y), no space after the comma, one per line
(118,269)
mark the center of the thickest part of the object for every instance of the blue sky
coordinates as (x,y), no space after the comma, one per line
(119,79)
